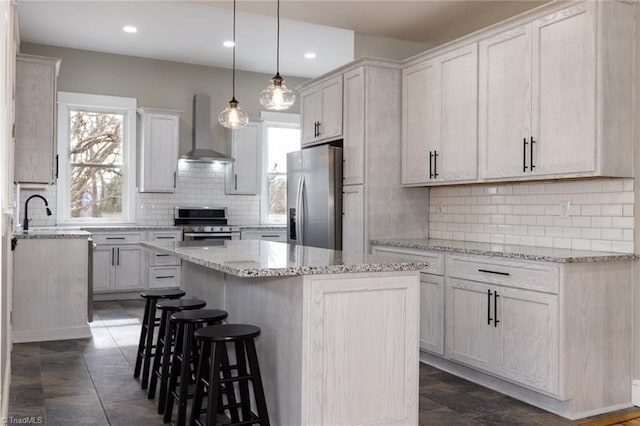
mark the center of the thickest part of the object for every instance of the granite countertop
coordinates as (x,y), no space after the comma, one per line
(257,258)
(263,227)
(123,228)
(52,233)
(544,254)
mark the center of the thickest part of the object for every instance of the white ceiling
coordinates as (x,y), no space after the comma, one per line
(185,32)
(192,31)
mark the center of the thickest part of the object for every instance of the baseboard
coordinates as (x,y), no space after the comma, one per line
(43,335)
(6,383)
(635,392)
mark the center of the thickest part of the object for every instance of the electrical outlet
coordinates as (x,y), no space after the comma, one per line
(565,208)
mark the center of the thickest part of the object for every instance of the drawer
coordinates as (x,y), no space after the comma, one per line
(163,277)
(270,235)
(117,238)
(518,274)
(165,236)
(161,259)
(435,260)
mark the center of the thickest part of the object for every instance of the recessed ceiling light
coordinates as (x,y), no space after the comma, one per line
(310,55)
(129,29)
(228,43)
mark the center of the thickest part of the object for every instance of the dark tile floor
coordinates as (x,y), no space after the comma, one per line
(89,382)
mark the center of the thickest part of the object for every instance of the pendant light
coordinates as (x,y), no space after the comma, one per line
(233,117)
(276,96)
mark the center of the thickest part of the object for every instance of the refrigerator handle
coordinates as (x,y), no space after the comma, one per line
(300,211)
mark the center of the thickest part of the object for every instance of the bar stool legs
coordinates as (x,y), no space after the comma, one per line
(211,376)
(149,322)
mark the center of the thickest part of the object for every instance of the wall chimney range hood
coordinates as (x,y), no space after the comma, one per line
(202,151)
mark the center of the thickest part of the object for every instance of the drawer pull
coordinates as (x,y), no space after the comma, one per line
(166,238)
(489,307)
(165,276)
(270,236)
(495,309)
(116,238)
(162,255)
(494,272)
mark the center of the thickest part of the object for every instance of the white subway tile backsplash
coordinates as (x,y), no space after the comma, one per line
(599,217)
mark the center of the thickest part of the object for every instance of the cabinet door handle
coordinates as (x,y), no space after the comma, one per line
(235,181)
(489,294)
(531,153)
(118,257)
(57,165)
(315,129)
(493,272)
(174,179)
(430,167)
(495,309)
(113,256)
(524,155)
(435,164)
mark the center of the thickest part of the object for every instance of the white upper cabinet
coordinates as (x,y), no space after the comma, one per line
(440,113)
(35,131)
(556,95)
(243,175)
(354,127)
(564,92)
(420,120)
(550,93)
(322,111)
(158,143)
(505,102)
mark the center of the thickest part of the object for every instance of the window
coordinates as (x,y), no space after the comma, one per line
(281,135)
(96,149)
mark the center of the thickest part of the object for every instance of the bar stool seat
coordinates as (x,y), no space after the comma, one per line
(214,376)
(185,353)
(164,345)
(149,322)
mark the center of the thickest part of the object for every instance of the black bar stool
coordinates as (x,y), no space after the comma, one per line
(149,321)
(186,353)
(213,342)
(164,344)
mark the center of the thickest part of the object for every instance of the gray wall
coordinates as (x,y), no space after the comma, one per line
(387,48)
(159,84)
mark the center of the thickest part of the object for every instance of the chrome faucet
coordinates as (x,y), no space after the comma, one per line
(25,223)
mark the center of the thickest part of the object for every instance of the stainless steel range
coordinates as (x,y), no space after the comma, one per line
(205,223)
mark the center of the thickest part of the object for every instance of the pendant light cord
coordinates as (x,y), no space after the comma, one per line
(278,42)
(233,76)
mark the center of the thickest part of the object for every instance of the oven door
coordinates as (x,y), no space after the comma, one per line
(211,236)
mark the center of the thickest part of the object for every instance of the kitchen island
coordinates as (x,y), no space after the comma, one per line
(339,342)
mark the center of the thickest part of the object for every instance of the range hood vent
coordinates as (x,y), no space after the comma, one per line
(202,151)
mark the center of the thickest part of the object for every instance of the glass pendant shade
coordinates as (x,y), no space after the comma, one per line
(276,97)
(233,117)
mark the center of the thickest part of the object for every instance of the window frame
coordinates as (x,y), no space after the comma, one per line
(272,119)
(96,103)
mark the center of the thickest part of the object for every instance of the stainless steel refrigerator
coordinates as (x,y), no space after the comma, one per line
(314,197)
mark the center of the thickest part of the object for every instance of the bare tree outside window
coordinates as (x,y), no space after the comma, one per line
(280,141)
(96,158)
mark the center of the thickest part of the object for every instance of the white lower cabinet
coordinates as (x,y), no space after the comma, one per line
(553,334)
(432,313)
(117,268)
(508,332)
(120,265)
(279,235)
